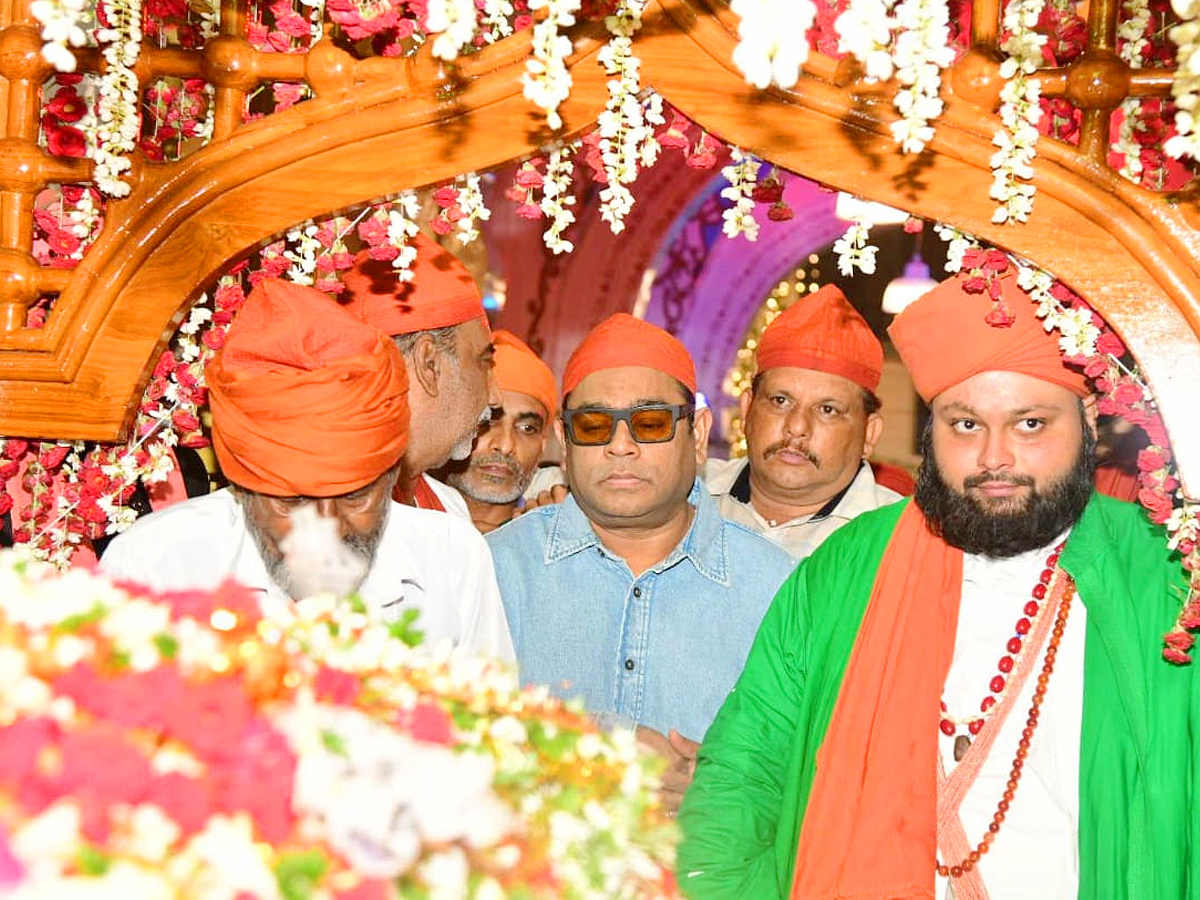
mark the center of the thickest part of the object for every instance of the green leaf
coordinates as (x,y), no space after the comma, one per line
(168,645)
(92,861)
(299,874)
(334,744)
(74,623)
(406,630)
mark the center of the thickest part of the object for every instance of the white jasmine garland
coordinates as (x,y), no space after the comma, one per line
(116,133)
(1020,112)
(1132,43)
(496,20)
(303,250)
(864,31)
(922,49)
(547,81)
(626,127)
(558,198)
(854,250)
(1185,86)
(474,209)
(453,21)
(402,215)
(64,23)
(742,175)
(772,45)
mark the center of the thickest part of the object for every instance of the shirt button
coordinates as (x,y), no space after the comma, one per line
(629,665)
(637,592)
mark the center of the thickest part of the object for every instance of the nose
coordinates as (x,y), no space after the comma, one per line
(622,443)
(327,508)
(500,436)
(995,453)
(493,389)
(797,423)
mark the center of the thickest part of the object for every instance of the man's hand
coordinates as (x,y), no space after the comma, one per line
(556,494)
(680,754)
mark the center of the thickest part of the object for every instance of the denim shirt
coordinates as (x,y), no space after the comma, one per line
(662,649)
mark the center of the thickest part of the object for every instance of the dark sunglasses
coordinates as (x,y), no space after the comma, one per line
(594,426)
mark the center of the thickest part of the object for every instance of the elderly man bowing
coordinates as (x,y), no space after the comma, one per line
(310,414)
(634,593)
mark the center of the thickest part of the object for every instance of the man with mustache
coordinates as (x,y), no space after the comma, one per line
(634,593)
(964,695)
(811,419)
(438,321)
(310,422)
(506,453)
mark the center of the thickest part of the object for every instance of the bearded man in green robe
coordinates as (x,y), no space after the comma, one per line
(963,695)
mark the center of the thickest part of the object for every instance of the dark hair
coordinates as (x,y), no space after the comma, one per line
(870,402)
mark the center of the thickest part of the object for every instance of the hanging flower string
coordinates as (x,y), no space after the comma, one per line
(558,198)
(742,175)
(119,124)
(626,127)
(854,250)
(547,81)
(1185,88)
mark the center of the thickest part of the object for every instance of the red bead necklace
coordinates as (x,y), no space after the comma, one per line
(1018,764)
(1008,663)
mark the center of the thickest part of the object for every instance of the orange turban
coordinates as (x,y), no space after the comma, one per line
(944,338)
(305,400)
(519,369)
(823,332)
(442,292)
(622,340)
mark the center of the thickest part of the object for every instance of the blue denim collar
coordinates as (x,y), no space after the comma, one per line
(704,544)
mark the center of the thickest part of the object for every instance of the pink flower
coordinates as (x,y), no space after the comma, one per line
(62,242)
(1190,617)
(257,777)
(211,717)
(286,95)
(15,448)
(429,722)
(1127,393)
(529,211)
(1150,460)
(52,457)
(370,889)
(1171,655)
(1110,344)
(1159,506)
(1180,640)
(336,686)
(446,196)
(67,106)
(443,226)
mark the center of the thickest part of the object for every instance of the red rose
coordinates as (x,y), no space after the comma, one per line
(446,196)
(67,106)
(1111,344)
(66,141)
(780,212)
(15,448)
(52,458)
(1000,316)
(1127,393)
(769,190)
(1150,460)
(6,503)
(1159,506)
(441,225)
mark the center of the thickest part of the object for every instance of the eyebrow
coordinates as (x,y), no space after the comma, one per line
(1023,411)
(532,417)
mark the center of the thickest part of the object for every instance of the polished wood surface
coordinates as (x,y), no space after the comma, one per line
(380,126)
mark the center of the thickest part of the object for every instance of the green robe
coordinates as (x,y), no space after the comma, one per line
(1141,718)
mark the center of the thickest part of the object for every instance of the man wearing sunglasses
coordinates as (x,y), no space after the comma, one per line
(634,593)
(811,419)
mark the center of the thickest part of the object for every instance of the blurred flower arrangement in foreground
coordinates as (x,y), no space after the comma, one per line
(180,746)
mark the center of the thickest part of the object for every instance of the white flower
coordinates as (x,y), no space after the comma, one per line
(772,45)
(742,175)
(558,198)
(547,81)
(853,250)
(225,860)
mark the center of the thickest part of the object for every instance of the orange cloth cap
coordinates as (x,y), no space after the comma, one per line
(623,340)
(823,332)
(441,293)
(519,369)
(944,339)
(305,400)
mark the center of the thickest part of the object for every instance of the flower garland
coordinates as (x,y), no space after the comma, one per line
(1020,112)
(558,198)
(119,123)
(65,23)
(547,81)
(1185,88)
(181,745)
(854,250)
(453,23)
(627,142)
(922,50)
(742,175)
(769,51)
(460,207)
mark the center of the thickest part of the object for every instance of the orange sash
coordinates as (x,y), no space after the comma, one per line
(870,826)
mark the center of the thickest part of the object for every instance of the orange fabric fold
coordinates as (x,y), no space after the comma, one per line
(870,826)
(624,340)
(945,337)
(305,400)
(519,369)
(823,332)
(441,292)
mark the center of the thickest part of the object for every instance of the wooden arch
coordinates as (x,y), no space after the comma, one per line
(379,126)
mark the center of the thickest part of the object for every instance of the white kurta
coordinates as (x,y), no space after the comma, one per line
(1040,833)
(436,563)
(449,497)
